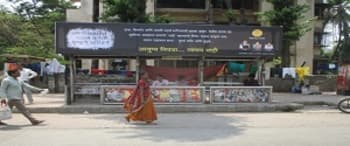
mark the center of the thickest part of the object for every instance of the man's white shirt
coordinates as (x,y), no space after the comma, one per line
(27,74)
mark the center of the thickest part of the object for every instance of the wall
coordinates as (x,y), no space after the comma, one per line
(304,50)
(305,46)
(326,83)
(82,14)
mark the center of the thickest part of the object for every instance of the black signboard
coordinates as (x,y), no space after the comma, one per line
(130,39)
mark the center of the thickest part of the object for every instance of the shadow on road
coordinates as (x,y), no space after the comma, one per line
(181,127)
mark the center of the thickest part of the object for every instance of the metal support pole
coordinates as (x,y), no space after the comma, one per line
(201,70)
(71,80)
(137,68)
(67,84)
(263,73)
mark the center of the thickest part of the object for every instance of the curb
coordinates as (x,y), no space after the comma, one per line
(306,103)
(239,107)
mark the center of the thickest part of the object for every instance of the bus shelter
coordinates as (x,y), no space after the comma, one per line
(214,56)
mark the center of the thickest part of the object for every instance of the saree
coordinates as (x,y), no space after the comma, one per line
(139,105)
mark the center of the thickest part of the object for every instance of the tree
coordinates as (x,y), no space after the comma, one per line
(338,14)
(132,11)
(29,28)
(9,28)
(126,10)
(290,16)
(230,15)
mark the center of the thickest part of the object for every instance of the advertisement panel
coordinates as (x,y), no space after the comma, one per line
(165,95)
(233,94)
(132,39)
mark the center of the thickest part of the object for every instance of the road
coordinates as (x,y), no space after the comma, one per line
(312,127)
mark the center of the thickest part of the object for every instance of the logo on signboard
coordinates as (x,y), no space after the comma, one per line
(257,33)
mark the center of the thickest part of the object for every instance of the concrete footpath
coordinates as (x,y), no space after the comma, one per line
(281,102)
(326,98)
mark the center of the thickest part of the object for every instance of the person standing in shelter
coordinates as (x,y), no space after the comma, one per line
(140,105)
(12,89)
(250,81)
(160,81)
(26,75)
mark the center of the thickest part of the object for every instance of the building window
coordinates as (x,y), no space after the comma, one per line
(96,10)
(320,10)
(318,38)
(194,4)
(236,4)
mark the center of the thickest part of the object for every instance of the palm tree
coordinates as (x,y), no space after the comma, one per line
(338,15)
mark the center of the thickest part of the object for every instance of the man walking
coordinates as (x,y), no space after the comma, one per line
(26,75)
(12,89)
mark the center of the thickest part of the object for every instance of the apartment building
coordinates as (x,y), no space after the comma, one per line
(307,49)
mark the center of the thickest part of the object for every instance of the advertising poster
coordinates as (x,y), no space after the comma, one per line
(118,94)
(240,95)
(115,94)
(177,94)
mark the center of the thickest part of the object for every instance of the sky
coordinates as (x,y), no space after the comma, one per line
(8,4)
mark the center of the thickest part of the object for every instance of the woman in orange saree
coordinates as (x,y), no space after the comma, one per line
(140,105)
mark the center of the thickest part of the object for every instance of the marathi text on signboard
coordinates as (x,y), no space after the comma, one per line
(90,39)
(157,40)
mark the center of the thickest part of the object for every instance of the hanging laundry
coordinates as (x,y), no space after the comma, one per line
(276,72)
(55,67)
(302,72)
(288,71)
(42,68)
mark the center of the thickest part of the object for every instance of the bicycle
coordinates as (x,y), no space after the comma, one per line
(344,105)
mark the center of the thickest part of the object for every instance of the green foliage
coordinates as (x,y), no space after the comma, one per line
(290,17)
(161,19)
(29,30)
(132,11)
(326,53)
(230,15)
(126,10)
(9,27)
(277,61)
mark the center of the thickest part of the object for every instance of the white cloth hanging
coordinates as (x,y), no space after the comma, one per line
(289,71)
(55,67)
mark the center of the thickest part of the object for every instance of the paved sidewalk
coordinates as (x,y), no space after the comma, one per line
(327,98)
(55,103)
(57,100)
(49,100)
